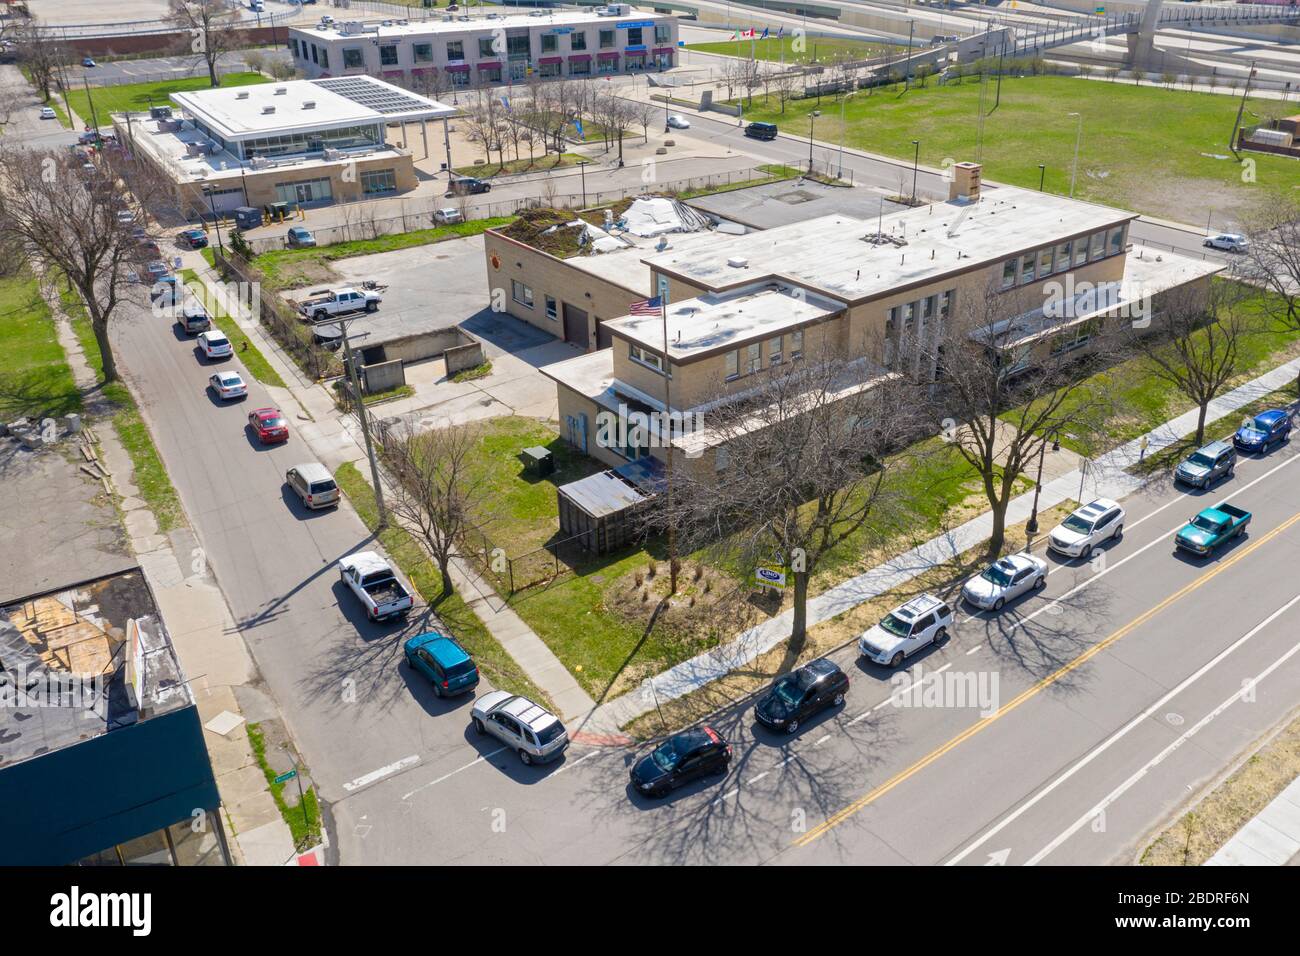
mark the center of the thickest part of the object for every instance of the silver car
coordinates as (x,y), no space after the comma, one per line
(529,729)
(1005,580)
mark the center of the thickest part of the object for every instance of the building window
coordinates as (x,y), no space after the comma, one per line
(1117,240)
(577,41)
(1027,269)
(423,52)
(458,78)
(353,59)
(324,58)
(608,64)
(550,43)
(549,69)
(313,54)
(732,368)
(774,351)
(455,49)
(388,54)
(753,358)
(606,39)
(293,45)
(1008,273)
(1045,262)
(521,293)
(1062,257)
(1080,250)
(378,181)
(646,357)
(519,45)
(796,344)
(485,49)
(552,309)
(634,36)
(663,34)
(490,75)
(1098,245)
(580,68)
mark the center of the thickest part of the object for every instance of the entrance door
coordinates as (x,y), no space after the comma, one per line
(575,326)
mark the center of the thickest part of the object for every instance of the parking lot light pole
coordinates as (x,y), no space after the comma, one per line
(916,160)
(812,122)
(1078,138)
(582,169)
(1042,175)
(839,173)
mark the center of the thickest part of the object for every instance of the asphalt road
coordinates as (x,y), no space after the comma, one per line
(1116,687)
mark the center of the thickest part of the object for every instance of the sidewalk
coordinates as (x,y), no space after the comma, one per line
(1104,477)
(1271,839)
(207,641)
(336,438)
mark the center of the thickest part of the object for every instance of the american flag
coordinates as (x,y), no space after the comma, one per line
(646,307)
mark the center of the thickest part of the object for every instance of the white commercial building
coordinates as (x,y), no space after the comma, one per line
(462,53)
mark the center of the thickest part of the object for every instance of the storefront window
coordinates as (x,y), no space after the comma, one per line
(353,58)
(378,181)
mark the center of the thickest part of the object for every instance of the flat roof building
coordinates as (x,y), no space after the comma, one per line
(461,53)
(303,142)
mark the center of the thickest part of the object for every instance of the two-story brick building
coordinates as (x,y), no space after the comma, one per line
(492,50)
(884,296)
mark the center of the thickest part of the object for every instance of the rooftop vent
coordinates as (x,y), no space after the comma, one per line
(281,90)
(309,105)
(738,262)
(267,109)
(242,95)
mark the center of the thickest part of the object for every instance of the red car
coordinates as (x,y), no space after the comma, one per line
(269,424)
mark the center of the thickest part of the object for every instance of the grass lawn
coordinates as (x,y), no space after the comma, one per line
(1128,131)
(35,380)
(287,268)
(151,478)
(795,49)
(249,353)
(138,97)
(305,827)
(524,165)
(493,661)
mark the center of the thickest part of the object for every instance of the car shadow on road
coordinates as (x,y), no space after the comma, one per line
(1214,557)
(297,508)
(220,402)
(768,737)
(367,629)
(496,752)
(255,443)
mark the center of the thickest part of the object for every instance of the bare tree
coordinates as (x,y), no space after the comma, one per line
(1196,347)
(1274,264)
(43,57)
(438,495)
(483,121)
(1010,378)
(786,86)
(644,113)
(212,28)
(70,216)
(805,471)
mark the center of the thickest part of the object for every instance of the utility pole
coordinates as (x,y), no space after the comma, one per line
(363,416)
(812,121)
(1232,140)
(668,416)
(1078,138)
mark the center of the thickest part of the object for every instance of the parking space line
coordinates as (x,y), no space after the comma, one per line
(753,780)
(570,766)
(728,795)
(376,775)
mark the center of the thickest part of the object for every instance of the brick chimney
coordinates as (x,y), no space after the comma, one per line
(965,181)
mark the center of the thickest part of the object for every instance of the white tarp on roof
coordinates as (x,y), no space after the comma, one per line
(654,216)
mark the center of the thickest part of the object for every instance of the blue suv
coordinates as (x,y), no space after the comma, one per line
(1263,431)
(439,658)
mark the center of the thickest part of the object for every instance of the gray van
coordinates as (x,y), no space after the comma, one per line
(313,484)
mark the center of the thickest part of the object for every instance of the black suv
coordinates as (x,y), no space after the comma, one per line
(468,186)
(761,131)
(800,694)
(680,759)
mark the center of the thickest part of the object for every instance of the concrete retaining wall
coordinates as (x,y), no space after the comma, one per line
(461,357)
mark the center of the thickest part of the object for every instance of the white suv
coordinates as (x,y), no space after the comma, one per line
(1078,535)
(907,629)
(215,345)
(529,729)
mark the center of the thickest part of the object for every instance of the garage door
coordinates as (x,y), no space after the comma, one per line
(227,200)
(575,326)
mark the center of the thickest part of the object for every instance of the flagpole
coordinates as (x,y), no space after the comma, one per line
(668,416)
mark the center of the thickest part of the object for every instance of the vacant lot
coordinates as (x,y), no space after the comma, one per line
(138,97)
(35,380)
(1146,148)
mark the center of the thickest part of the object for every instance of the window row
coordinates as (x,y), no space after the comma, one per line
(749,358)
(911,325)
(488,47)
(1050,260)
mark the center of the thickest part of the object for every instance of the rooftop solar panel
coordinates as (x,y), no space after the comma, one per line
(380,98)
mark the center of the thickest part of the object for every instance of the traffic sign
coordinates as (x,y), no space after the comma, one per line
(287,775)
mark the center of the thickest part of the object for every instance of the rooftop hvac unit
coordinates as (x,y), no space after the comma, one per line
(160,112)
(241,95)
(309,104)
(259,162)
(333,154)
(281,90)
(267,109)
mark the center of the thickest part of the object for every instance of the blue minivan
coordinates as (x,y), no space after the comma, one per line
(439,658)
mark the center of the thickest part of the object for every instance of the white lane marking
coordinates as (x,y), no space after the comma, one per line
(1055,606)
(381,773)
(1157,759)
(478,760)
(753,780)
(727,796)
(822,740)
(974,650)
(897,695)
(1106,744)
(568,766)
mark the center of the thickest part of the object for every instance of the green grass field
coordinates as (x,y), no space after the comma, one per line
(1143,148)
(138,97)
(35,380)
(795,49)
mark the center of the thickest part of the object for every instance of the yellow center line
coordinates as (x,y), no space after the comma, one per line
(841,815)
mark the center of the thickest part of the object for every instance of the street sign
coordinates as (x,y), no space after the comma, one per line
(287,775)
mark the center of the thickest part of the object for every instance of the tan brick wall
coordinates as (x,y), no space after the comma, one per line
(260,186)
(511,261)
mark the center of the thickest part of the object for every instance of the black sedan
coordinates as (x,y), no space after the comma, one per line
(468,186)
(800,694)
(690,755)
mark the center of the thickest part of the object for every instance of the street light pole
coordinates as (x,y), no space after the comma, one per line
(364,417)
(916,160)
(1078,139)
(812,122)
(1031,526)
(582,169)
(839,173)
(215,224)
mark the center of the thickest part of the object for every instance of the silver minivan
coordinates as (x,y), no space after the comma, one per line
(313,484)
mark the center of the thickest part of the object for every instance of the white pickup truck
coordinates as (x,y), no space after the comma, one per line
(339,302)
(375,585)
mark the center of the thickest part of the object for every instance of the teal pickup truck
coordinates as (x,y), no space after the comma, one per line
(1211,528)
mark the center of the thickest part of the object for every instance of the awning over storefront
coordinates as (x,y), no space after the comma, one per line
(457,67)
(608,56)
(662,49)
(542,61)
(488,66)
(579,57)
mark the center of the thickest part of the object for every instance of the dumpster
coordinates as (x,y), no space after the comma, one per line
(246,217)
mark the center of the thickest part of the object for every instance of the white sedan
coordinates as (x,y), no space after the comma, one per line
(215,345)
(678,122)
(1228,242)
(47,112)
(1005,580)
(228,385)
